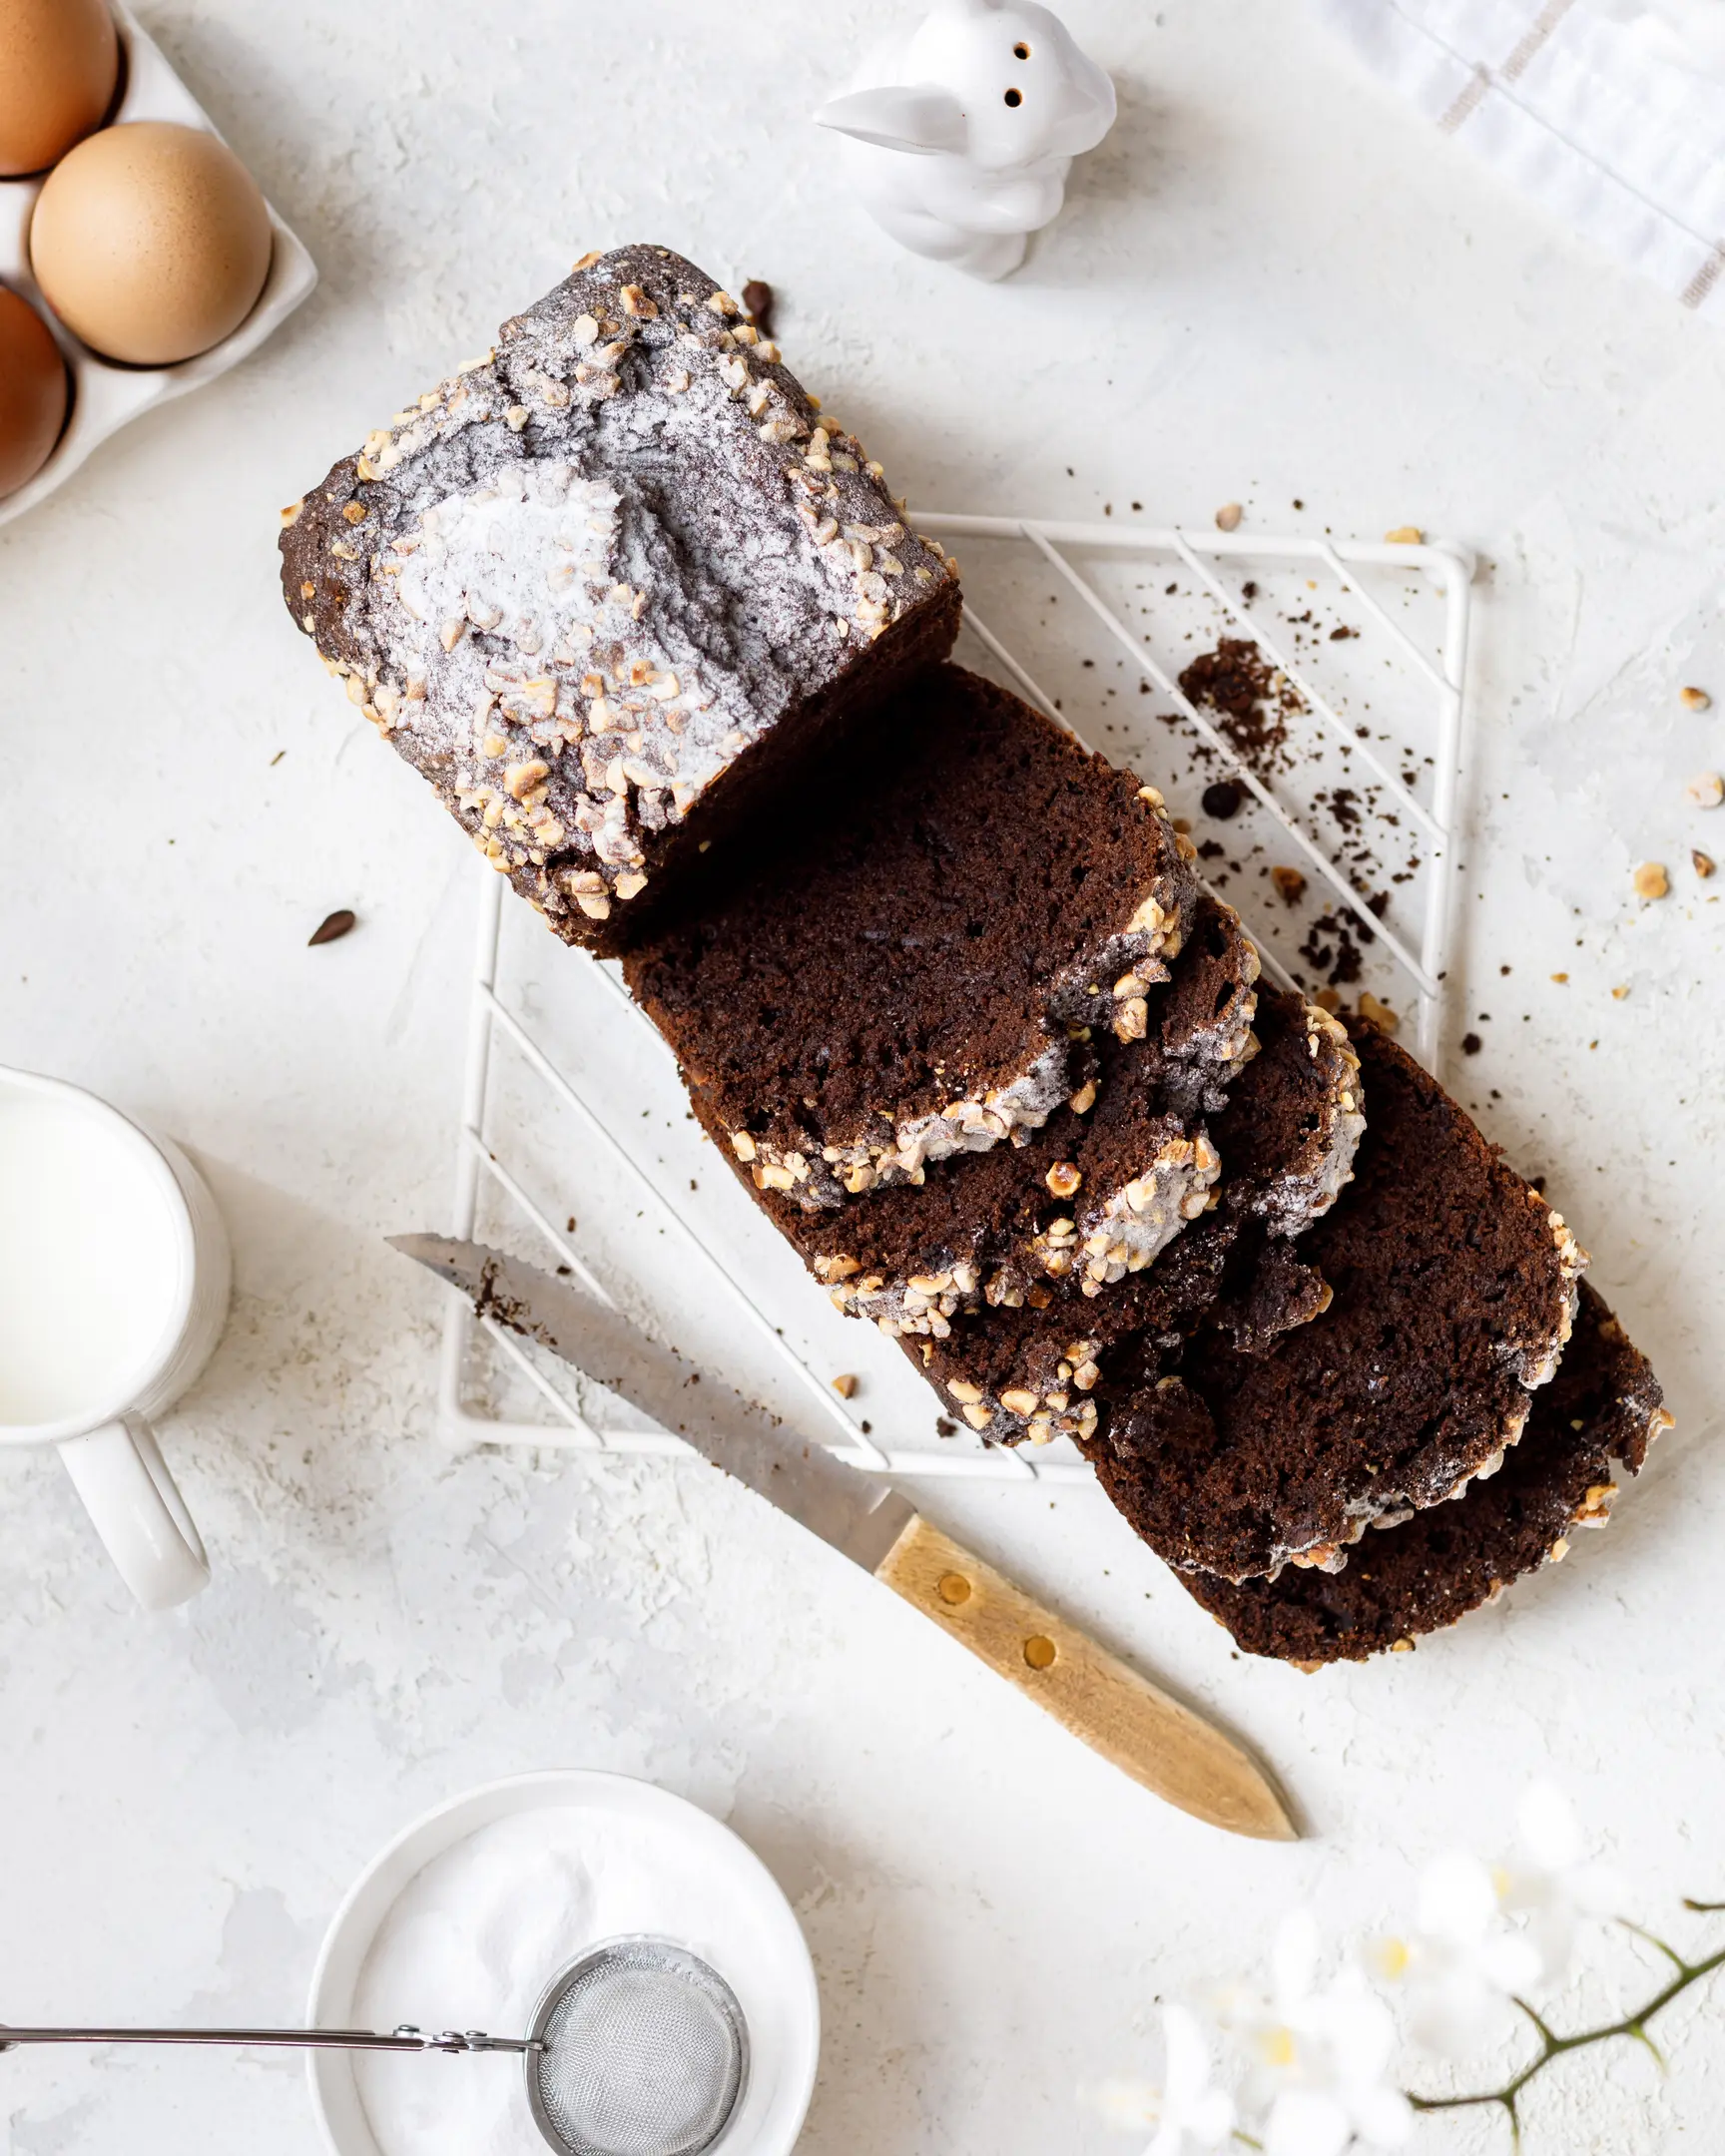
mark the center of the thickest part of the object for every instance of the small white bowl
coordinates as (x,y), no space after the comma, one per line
(105,395)
(742,1926)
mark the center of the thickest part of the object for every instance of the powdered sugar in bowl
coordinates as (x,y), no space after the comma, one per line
(468,1915)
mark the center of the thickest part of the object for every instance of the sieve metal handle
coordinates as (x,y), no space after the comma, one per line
(405,2038)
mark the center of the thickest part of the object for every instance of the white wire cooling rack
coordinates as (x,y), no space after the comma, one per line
(1412,605)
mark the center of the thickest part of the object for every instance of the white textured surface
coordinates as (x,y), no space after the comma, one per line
(1257,292)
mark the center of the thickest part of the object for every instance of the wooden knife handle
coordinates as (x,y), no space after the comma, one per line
(1142,1731)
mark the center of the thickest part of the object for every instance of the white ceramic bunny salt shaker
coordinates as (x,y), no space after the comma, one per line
(962,132)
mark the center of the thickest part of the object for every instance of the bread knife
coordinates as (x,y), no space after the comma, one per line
(1152,1738)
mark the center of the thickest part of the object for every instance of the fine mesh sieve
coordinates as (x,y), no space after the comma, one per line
(637,2049)
(641,2050)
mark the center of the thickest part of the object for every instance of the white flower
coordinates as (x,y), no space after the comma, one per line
(1323,2056)
(1556,1888)
(1464,1960)
(1192,2110)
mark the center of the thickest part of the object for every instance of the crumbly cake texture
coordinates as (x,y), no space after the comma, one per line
(1289,1150)
(1058,1365)
(611,587)
(1453,1290)
(896,980)
(1603,1406)
(1097,1193)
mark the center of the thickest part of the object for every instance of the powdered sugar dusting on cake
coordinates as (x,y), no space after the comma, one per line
(582,577)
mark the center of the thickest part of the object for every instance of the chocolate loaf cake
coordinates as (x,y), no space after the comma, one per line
(1603,1406)
(1454,1289)
(1052,1364)
(612,587)
(897,978)
(1098,1192)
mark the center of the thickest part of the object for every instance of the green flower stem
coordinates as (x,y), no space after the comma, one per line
(1554,2046)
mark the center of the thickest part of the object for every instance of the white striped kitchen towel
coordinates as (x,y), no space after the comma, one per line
(1587,105)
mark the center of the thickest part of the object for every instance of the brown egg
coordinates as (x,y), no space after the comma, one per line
(59,61)
(32,393)
(150,241)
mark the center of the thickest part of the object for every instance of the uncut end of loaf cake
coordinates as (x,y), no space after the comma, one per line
(897,981)
(608,587)
(1603,1406)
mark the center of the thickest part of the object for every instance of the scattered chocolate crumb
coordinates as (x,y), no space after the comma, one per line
(757,299)
(1330,946)
(1222,800)
(944,1426)
(332,927)
(1341,636)
(1290,883)
(1249,590)
(1253,702)
(569,1225)
(1472,1044)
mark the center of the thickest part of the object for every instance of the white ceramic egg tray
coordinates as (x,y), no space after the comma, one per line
(106,395)
(570,1101)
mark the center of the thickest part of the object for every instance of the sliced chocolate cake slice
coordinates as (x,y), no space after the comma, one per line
(1604,1405)
(1097,1193)
(612,588)
(895,980)
(1453,1286)
(1035,1367)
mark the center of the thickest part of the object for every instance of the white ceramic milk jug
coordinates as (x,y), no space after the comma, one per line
(114,1282)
